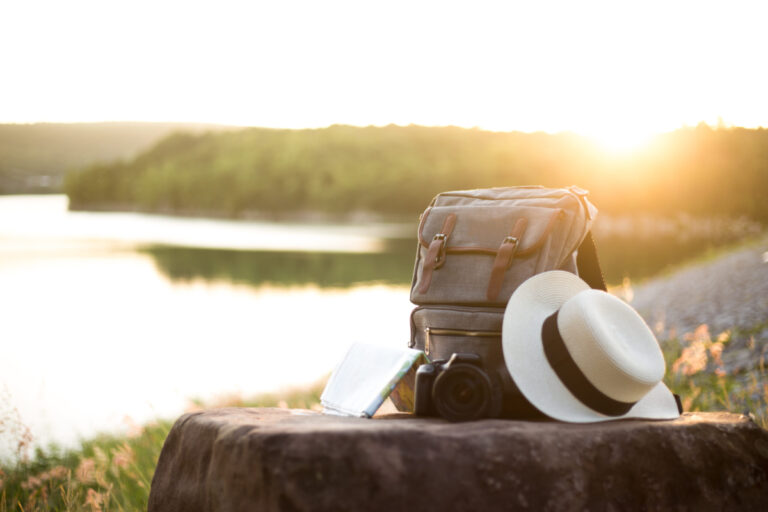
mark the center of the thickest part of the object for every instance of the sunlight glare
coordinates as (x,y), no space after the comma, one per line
(623,139)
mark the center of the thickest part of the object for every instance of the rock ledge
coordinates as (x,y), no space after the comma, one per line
(275,459)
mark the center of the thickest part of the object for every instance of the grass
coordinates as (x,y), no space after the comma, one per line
(696,371)
(114,473)
(109,472)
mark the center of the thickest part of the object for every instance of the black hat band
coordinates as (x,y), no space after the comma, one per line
(572,377)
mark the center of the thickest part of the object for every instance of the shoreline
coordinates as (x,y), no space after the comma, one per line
(300,216)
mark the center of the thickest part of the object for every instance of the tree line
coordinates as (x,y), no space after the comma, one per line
(35,157)
(396,170)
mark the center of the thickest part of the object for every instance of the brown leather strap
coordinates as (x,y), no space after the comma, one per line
(435,257)
(504,258)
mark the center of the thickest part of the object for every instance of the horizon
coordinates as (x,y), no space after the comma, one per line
(719,125)
(614,147)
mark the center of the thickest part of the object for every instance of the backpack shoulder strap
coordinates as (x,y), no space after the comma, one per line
(588,264)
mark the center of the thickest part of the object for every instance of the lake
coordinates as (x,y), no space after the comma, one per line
(101,326)
(108,319)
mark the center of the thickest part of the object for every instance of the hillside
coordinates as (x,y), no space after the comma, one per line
(396,170)
(35,157)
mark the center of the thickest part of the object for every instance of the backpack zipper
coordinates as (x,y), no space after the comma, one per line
(430,331)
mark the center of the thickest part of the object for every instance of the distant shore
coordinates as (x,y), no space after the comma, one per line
(299,215)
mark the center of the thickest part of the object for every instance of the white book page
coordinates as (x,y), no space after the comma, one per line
(363,379)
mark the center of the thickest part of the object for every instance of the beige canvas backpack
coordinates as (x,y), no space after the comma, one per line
(475,247)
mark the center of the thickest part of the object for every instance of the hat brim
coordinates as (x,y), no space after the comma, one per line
(532,302)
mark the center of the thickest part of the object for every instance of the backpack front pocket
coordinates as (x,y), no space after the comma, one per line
(478,255)
(444,330)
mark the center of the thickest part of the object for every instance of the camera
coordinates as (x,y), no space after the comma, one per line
(459,389)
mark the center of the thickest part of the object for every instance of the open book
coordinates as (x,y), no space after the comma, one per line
(369,374)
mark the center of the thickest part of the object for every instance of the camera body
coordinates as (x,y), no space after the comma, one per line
(459,389)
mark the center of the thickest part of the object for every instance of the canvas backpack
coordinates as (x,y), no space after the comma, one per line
(475,247)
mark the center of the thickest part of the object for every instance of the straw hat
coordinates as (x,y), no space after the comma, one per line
(582,355)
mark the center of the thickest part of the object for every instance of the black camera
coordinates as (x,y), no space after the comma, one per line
(458,390)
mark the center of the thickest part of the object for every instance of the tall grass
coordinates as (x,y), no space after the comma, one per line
(107,473)
(110,472)
(696,371)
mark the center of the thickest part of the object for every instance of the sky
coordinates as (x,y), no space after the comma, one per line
(619,71)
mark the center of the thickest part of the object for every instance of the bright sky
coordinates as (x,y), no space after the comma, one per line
(615,70)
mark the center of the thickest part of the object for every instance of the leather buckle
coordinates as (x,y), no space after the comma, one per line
(443,239)
(510,240)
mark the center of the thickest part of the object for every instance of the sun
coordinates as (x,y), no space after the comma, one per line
(622,139)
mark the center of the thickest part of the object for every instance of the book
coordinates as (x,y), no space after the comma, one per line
(367,376)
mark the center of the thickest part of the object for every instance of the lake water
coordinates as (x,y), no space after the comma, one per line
(101,326)
(113,318)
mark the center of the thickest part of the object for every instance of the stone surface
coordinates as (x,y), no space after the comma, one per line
(275,459)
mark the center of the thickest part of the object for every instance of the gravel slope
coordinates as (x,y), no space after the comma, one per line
(730,292)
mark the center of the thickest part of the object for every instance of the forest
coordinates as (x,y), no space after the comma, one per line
(35,157)
(396,170)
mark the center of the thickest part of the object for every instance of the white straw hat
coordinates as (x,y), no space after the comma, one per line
(583,355)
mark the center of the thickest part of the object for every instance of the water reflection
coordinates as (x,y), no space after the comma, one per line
(47,218)
(288,269)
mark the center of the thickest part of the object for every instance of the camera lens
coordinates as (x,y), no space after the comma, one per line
(462,393)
